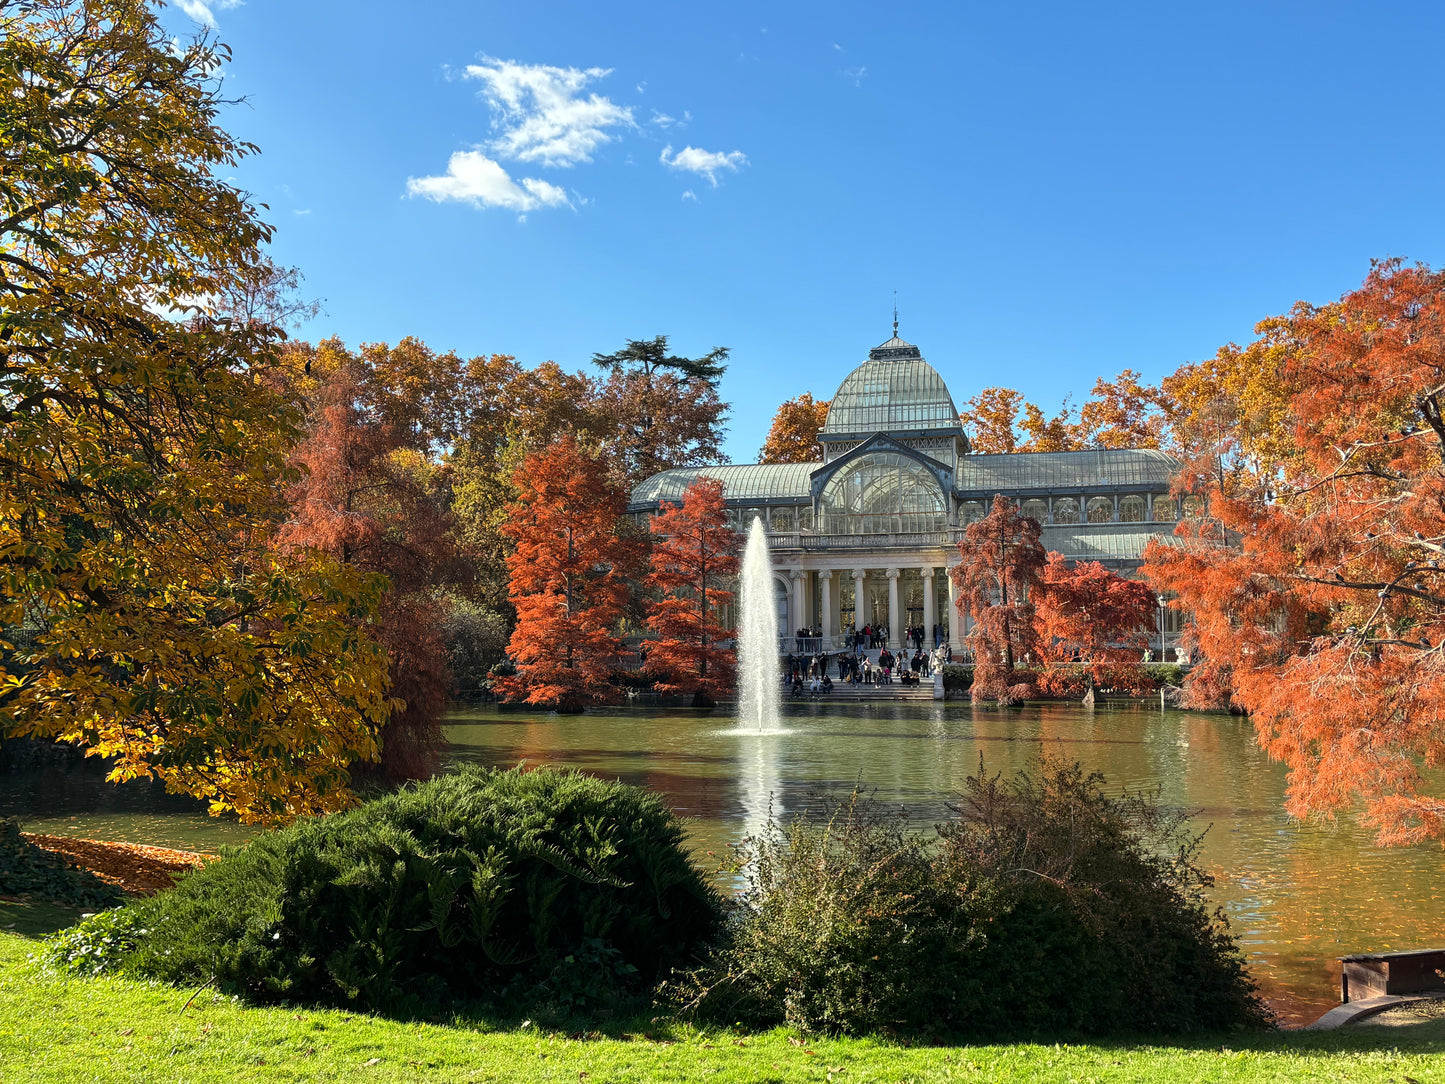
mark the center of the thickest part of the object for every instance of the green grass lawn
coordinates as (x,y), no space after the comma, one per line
(64,1029)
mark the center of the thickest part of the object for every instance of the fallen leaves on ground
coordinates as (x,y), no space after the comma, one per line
(131,867)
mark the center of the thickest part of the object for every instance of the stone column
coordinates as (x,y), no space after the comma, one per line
(825,591)
(955,619)
(859,620)
(930,607)
(798,615)
(895,637)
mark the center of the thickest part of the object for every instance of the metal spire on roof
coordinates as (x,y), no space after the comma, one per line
(895,314)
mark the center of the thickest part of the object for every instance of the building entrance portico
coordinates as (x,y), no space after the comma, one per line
(835,602)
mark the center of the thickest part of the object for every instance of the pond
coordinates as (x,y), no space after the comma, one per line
(1298,895)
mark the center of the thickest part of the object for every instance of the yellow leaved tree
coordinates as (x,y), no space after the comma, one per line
(144,429)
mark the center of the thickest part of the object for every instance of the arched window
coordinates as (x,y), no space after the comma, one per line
(1101,510)
(1066,510)
(732,518)
(1132,509)
(805,519)
(1193,507)
(783,519)
(970,512)
(1165,510)
(1036,509)
(883,493)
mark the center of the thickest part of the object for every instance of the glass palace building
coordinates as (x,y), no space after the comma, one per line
(866,536)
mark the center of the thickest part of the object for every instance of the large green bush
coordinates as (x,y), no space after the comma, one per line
(515,885)
(1044,908)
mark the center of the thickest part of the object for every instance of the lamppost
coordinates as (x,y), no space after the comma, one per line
(1161,600)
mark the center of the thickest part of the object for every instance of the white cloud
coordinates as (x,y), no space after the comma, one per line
(689,195)
(664,120)
(541,113)
(704,163)
(204,11)
(854,75)
(472,177)
(302,211)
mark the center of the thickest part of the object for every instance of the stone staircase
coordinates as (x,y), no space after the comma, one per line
(844,693)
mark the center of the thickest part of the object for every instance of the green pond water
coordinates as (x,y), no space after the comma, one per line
(1297,895)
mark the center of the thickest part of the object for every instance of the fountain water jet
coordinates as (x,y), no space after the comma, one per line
(758,693)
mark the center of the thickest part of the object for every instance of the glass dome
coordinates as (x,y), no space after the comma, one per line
(883,493)
(895,389)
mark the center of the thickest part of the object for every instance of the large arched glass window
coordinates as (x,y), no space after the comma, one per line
(883,493)
(783,519)
(1038,510)
(1132,509)
(1066,510)
(1101,510)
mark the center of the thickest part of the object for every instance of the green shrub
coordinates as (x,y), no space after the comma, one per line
(1044,908)
(1166,673)
(843,926)
(475,638)
(28,870)
(477,885)
(97,945)
(956,676)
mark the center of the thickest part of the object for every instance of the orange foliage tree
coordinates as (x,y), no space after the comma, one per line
(990,419)
(1124,413)
(568,578)
(693,554)
(998,577)
(1317,591)
(793,436)
(364,499)
(1092,617)
(1120,413)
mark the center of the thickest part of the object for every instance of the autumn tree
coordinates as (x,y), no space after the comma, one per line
(657,410)
(1316,587)
(991,417)
(793,436)
(1092,616)
(568,578)
(694,555)
(144,441)
(998,577)
(513,412)
(368,498)
(1123,413)
(1059,433)
(1119,413)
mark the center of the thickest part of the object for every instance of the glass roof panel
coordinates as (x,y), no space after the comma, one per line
(895,389)
(1021,471)
(757,482)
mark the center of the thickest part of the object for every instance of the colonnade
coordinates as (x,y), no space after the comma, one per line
(801,598)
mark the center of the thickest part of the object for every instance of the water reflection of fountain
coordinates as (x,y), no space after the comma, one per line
(758,692)
(758,781)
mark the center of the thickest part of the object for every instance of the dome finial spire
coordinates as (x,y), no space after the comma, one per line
(895,314)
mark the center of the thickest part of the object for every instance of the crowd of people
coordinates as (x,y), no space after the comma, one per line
(876,636)
(855,666)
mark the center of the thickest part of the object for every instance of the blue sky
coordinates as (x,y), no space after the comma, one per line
(1056,191)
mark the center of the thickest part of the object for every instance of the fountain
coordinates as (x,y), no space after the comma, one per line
(758,694)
